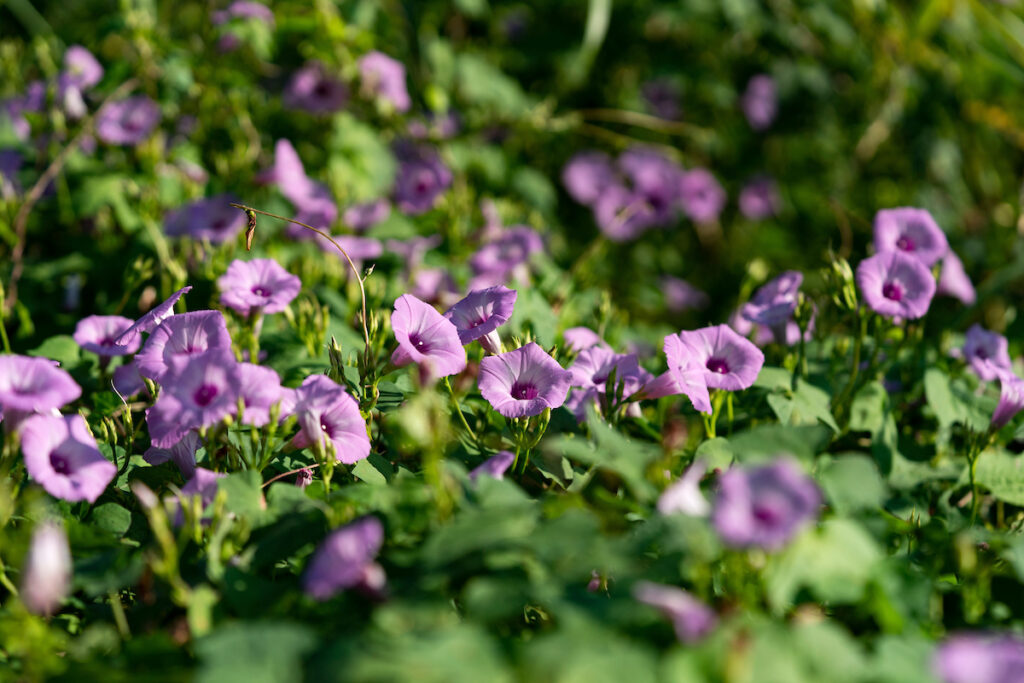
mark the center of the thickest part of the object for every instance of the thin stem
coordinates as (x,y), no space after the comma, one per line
(458,411)
(119,617)
(285,474)
(640,120)
(855,370)
(5,581)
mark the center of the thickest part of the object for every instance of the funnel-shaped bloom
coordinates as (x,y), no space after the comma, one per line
(314,90)
(684,495)
(182,454)
(895,284)
(62,456)
(197,393)
(578,339)
(588,175)
(690,617)
(729,361)
(426,337)
(151,319)
(344,559)
(81,70)
(98,332)
(212,218)
(481,313)
(512,248)
(773,304)
(760,102)
(494,467)
(260,388)
(288,173)
(328,415)
(421,179)
(260,285)
(980,658)
(953,280)
(701,195)
(987,353)
(1011,399)
(364,216)
(523,382)
(180,338)
(127,122)
(127,381)
(46,576)
(688,374)
(34,385)
(384,77)
(764,506)
(912,231)
(680,295)
(594,366)
(759,199)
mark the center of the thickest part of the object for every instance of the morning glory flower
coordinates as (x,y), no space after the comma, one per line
(426,337)
(364,216)
(422,177)
(481,313)
(260,388)
(986,352)
(212,218)
(593,368)
(912,231)
(691,618)
(701,196)
(622,214)
(434,285)
(179,339)
(127,122)
(288,173)
(182,454)
(61,455)
(197,393)
(684,495)
(257,286)
(384,77)
(46,575)
(244,9)
(523,382)
(953,280)
(773,304)
(587,175)
(760,102)
(98,332)
(681,296)
(202,484)
(325,411)
(759,199)
(81,73)
(10,164)
(895,284)
(34,385)
(764,506)
(578,339)
(411,251)
(687,373)
(979,658)
(1011,399)
(345,559)
(494,467)
(499,259)
(312,89)
(151,319)
(127,381)
(728,360)
(32,100)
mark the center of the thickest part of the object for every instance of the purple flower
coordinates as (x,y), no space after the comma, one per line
(953,280)
(364,216)
(662,98)
(433,285)
(680,295)
(701,196)
(202,484)
(895,284)
(304,478)
(760,102)
(481,313)
(384,77)
(588,175)
(62,456)
(46,576)
(257,286)
(764,506)
(345,559)
(127,122)
(773,304)
(690,617)
(212,218)
(986,352)
(513,248)
(980,658)
(98,332)
(15,107)
(413,249)
(314,90)
(34,385)
(684,495)
(421,179)
(81,73)
(578,339)
(358,249)
(127,381)
(593,368)
(326,411)
(523,382)
(912,231)
(686,374)
(759,199)
(244,9)
(179,339)
(494,467)
(260,388)
(197,393)
(728,360)
(288,173)
(151,319)
(10,164)
(1011,399)
(426,337)
(182,454)
(624,215)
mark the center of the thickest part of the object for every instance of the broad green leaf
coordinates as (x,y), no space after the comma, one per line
(851,482)
(254,652)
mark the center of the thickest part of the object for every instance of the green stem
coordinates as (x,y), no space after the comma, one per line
(119,617)
(458,411)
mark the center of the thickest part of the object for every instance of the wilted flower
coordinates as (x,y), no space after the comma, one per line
(304,478)
(421,178)
(980,658)
(426,337)
(690,617)
(98,332)
(314,90)
(523,382)
(180,338)
(759,199)
(684,495)
(384,77)
(34,385)
(197,393)
(764,506)
(1011,399)
(326,411)
(701,196)
(895,284)
(212,218)
(259,388)
(680,295)
(912,231)
(760,102)
(61,455)
(257,286)
(364,216)
(345,560)
(182,454)
(494,467)
(773,304)
(953,280)
(587,176)
(481,313)
(46,576)
(728,360)
(128,121)
(986,352)
(151,319)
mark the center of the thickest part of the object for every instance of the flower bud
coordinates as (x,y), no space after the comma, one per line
(46,576)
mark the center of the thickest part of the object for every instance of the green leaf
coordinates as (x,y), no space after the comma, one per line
(243,493)
(254,652)
(766,441)
(1002,473)
(718,453)
(940,397)
(373,470)
(851,482)
(867,412)
(61,348)
(484,85)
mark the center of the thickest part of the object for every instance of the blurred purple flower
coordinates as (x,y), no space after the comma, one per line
(773,304)
(32,100)
(728,360)
(1011,399)
(986,352)
(895,284)
(384,77)
(81,73)
(760,102)
(202,484)
(152,318)
(422,177)
(688,374)
(980,658)
(364,216)
(577,339)
(314,90)
(426,337)
(494,467)
(480,314)
(195,394)
(587,176)
(433,285)
(439,126)
(97,333)
(33,385)
(523,382)
(10,164)
(622,215)
(345,559)
(244,9)
(329,418)
(257,286)
(412,250)
(912,231)
(701,196)
(358,249)
(759,199)
(259,388)
(680,295)
(61,455)
(182,454)
(304,478)
(127,122)
(211,218)
(593,368)
(512,249)
(953,280)
(179,339)
(662,96)
(127,381)
(288,173)
(764,506)
(46,575)
(691,618)
(684,495)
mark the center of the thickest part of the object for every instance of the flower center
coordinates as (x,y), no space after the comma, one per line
(905,243)
(768,514)
(893,291)
(524,392)
(204,395)
(327,429)
(419,343)
(322,89)
(59,463)
(981,354)
(717,365)
(260,290)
